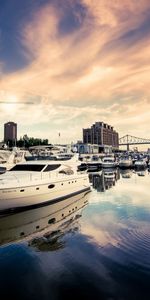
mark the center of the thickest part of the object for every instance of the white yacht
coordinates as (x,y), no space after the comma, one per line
(94,164)
(35,184)
(109,162)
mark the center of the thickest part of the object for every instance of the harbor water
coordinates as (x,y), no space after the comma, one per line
(96,246)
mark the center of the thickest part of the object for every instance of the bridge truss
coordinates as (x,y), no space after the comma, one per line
(132,140)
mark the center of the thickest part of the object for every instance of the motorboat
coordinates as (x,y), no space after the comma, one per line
(109,162)
(125,162)
(34,184)
(95,164)
(14,157)
(140,164)
(50,156)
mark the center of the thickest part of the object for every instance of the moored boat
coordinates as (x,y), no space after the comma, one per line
(109,175)
(109,162)
(125,162)
(140,164)
(36,184)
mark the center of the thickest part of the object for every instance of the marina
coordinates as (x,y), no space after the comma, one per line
(105,232)
(74,150)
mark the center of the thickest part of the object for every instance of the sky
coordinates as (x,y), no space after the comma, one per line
(66,64)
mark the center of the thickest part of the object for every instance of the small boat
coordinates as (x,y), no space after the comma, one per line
(35,184)
(140,164)
(127,173)
(109,162)
(125,162)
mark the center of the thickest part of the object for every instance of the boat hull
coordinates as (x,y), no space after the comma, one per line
(16,199)
(125,165)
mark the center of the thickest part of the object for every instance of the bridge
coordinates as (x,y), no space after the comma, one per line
(128,140)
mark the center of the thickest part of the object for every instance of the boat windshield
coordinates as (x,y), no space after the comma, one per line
(28,167)
(51,167)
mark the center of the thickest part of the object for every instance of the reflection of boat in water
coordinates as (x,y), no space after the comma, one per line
(109,175)
(141,173)
(39,183)
(94,164)
(104,180)
(109,178)
(45,219)
(126,173)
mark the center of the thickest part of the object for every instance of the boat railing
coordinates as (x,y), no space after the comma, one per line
(33,177)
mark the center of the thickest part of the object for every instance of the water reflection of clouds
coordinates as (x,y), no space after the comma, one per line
(101,227)
(132,191)
(137,195)
(119,212)
(116,227)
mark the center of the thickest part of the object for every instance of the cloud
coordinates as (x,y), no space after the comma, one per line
(95,71)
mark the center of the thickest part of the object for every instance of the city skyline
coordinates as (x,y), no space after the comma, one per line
(77,62)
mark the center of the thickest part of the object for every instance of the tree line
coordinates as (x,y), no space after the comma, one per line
(27,142)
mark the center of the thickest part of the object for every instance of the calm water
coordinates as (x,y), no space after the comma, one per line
(98,247)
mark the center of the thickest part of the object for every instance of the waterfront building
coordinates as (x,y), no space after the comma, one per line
(103,135)
(10,132)
(86,148)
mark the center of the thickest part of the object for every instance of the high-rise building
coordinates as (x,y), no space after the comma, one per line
(10,132)
(101,134)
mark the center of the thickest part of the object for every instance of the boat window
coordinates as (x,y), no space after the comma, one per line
(67,171)
(64,158)
(51,186)
(51,221)
(51,167)
(28,167)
